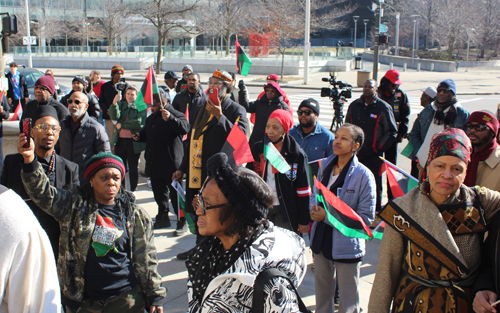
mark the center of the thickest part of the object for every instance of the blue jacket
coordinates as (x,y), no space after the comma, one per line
(358,192)
(317,145)
(424,120)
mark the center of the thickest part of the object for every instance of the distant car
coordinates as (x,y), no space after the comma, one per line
(32,75)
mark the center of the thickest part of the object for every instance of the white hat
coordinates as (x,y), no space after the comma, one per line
(431,92)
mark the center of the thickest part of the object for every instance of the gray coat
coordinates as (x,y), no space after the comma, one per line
(89,139)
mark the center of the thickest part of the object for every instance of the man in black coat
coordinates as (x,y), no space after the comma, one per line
(164,151)
(18,90)
(182,84)
(45,87)
(263,107)
(213,123)
(78,84)
(192,98)
(61,172)
(108,93)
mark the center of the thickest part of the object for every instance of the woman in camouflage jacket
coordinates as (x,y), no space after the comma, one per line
(107,257)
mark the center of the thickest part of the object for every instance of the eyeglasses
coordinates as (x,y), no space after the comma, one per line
(77,102)
(205,208)
(215,83)
(270,90)
(42,88)
(445,90)
(306,112)
(46,127)
(477,128)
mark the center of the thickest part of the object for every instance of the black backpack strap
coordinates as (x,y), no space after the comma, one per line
(258,292)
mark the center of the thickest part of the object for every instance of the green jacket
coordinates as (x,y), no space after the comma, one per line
(76,212)
(136,121)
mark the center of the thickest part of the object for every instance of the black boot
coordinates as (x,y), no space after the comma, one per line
(162,221)
(182,227)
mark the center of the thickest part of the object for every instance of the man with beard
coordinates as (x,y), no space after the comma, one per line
(190,100)
(78,84)
(97,82)
(263,107)
(163,134)
(445,112)
(182,84)
(45,87)
(376,119)
(81,136)
(484,168)
(314,139)
(61,172)
(389,90)
(213,123)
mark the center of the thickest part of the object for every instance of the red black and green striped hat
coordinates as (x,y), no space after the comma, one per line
(117,68)
(103,160)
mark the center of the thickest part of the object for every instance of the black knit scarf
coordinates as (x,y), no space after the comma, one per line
(439,117)
(209,259)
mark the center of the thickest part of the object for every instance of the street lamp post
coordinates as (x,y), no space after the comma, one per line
(355,29)
(396,52)
(414,32)
(468,41)
(365,22)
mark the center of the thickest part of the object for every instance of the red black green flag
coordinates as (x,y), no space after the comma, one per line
(237,147)
(399,181)
(243,62)
(340,215)
(148,91)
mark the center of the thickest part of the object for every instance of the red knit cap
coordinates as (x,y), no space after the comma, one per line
(284,118)
(48,82)
(485,118)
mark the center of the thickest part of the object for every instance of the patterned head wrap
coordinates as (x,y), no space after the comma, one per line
(451,141)
(222,75)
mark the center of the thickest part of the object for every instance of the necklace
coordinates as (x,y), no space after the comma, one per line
(340,168)
(51,163)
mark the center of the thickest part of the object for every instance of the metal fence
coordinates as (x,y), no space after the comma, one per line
(200,52)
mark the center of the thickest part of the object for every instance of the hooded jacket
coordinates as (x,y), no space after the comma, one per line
(230,291)
(76,212)
(293,187)
(262,108)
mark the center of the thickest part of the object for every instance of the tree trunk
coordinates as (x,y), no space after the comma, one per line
(282,62)
(228,40)
(158,57)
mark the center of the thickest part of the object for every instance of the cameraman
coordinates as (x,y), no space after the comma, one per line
(108,93)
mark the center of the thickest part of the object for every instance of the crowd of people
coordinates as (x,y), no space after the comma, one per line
(71,168)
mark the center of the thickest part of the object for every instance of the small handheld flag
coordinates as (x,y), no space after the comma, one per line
(148,91)
(243,62)
(236,146)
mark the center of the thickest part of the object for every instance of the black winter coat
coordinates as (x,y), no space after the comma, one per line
(94,109)
(293,187)
(377,121)
(30,108)
(164,148)
(262,109)
(215,137)
(195,101)
(108,93)
(89,139)
(22,86)
(400,108)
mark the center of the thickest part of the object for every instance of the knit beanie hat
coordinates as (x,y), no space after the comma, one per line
(284,118)
(103,160)
(117,68)
(243,201)
(79,79)
(450,84)
(311,104)
(485,118)
(48,82)
(45,110)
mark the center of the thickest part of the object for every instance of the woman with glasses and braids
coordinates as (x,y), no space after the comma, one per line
(239,243)
(430,254)
(445,112)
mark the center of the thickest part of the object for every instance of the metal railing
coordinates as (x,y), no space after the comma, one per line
(198,52)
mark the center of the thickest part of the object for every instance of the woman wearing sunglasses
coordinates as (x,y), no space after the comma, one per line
(291,189)
(239,242)
(445,112)
(107,258)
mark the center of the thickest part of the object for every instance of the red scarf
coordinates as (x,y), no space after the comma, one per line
(470,179)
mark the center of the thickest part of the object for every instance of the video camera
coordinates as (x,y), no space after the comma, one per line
(121,85)
(338,92)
